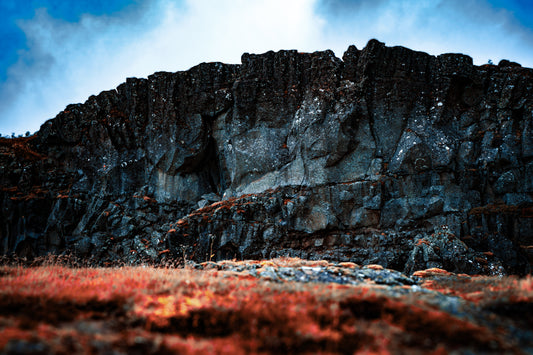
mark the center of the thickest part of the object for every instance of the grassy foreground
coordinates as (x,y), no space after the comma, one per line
(147,310)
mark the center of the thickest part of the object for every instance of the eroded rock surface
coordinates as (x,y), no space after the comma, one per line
(388,156)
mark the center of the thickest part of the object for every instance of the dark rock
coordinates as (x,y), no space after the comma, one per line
(288,154)
(507,63)
(321,272)
(16,346)
(444,250)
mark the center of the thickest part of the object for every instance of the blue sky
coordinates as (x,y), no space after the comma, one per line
(56,52)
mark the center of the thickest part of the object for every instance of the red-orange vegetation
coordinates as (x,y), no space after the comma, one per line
(526,284)
(494,209)
(233,203)
(483,290)
(117,113)
(167,310)
(349,265)
(374,267)
(21,148)
(149,199)
(422,241)
(527,212)
(182,223)
(27,197)
(431,272)
(36,192)
(10,189)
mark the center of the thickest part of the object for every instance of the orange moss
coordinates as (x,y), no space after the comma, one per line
(349,265)
(374,267)
(228,204)
(149,199)
(431,272)
(9,333)
(192,311)
(494,209)
(20,147)
(422,241)
(36,192)
(10,189)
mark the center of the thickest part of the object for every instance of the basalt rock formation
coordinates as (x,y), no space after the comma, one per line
(388,156)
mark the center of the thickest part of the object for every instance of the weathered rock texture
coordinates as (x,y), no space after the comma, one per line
(387,156)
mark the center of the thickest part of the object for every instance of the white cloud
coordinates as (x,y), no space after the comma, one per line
(68,62)
(471,27)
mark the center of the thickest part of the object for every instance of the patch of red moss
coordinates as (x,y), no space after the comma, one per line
(494,209)
(189,311)
(20,148)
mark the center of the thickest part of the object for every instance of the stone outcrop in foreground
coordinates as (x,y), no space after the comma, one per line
(388,156)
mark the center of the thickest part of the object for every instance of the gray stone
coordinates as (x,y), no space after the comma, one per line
(506,183)
(394,212)
(287,153)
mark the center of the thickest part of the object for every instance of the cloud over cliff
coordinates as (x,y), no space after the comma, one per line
(65,62)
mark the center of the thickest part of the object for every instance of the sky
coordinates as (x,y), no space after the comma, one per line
(57,52)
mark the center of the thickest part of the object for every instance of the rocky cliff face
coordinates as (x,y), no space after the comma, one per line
(387,156)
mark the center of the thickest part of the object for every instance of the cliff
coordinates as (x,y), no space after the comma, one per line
(388,156)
